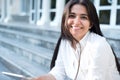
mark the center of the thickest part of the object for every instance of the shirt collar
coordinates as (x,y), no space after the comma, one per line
(83,41)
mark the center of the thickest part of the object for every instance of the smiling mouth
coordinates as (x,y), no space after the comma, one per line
(76,28)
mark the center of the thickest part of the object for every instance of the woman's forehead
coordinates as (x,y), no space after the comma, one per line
(77,8)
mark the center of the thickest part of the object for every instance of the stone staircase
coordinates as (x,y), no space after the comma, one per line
(27,49)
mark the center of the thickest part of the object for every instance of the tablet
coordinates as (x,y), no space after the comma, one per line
(22,77)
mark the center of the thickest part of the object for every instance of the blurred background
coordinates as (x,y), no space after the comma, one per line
(29,30)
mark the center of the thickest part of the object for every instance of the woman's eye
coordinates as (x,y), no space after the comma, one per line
(84,17)
(71,16)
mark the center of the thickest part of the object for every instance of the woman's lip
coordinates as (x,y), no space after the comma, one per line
(76,28)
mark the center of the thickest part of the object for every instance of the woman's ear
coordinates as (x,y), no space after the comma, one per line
(91,26)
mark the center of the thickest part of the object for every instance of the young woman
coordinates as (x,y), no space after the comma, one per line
(82,53)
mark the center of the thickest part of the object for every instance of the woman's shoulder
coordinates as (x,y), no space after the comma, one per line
(97,38)
(64,42)
(98,41)
(100,45)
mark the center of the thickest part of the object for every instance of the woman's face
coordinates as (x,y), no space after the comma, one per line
(78,21)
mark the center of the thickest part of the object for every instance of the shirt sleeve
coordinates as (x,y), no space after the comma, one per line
(58,71)
(102,59)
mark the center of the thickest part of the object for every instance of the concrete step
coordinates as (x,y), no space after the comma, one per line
(34,29)
(40,55)
(35,39)
(3,68)
(27,49)
(21,65)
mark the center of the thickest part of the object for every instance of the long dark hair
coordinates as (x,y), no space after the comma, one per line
(65,34)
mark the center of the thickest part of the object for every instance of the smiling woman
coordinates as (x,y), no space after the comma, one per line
(81,48)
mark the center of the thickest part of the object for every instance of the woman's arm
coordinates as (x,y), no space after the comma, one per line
(45,77)
(102,62)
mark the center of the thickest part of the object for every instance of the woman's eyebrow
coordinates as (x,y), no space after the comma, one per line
(84,14)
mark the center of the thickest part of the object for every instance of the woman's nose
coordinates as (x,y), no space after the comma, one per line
(77,21)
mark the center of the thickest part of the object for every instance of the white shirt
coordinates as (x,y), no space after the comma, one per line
(97,61)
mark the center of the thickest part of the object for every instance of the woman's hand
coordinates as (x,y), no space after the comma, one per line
(44,77)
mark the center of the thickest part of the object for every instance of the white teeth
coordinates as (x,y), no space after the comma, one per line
(76,27)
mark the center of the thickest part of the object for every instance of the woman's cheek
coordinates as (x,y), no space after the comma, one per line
(69,22)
